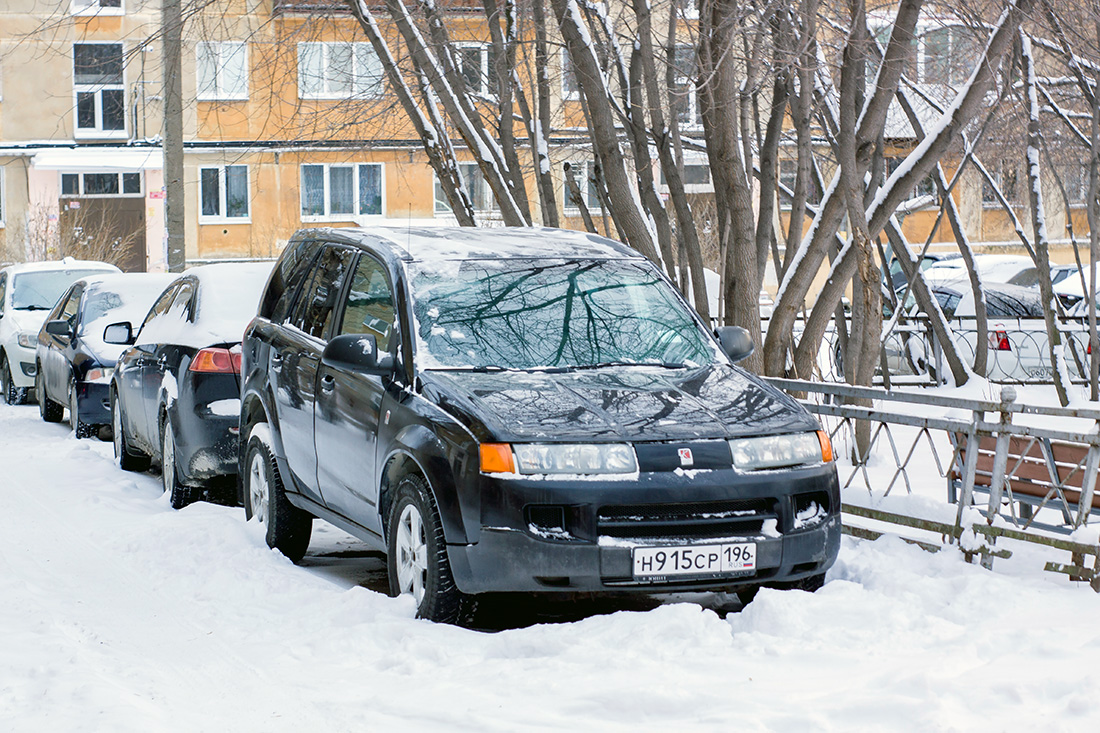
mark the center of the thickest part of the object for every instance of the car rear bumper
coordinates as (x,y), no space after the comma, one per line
(591,550)
(94,402)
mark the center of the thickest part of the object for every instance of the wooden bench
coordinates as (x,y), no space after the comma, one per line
(1039,473)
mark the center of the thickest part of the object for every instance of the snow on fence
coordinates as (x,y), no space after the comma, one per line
(1036,466)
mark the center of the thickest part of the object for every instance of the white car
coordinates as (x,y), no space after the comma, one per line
(27,293)
(991,269)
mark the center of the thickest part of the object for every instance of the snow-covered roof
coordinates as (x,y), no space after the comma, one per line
(449,243)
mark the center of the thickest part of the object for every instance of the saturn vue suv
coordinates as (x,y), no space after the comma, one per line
(527,410)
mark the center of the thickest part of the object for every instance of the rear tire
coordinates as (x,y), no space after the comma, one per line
(288,527)
(811,584)
(178,494)
(417,557)
(128,459)
(49,410)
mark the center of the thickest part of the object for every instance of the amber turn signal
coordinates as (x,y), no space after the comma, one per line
(496,458)
(826,446)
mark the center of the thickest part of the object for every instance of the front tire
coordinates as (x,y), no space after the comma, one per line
(49,410)
(417,558)
(178,494)
(12,395)
(128,460)
(288,528)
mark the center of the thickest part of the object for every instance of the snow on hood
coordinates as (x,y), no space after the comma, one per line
(117,299)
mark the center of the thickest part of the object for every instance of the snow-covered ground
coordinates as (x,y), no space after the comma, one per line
(119,614)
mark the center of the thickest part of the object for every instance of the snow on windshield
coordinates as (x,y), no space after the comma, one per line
(39,290)
(541,313)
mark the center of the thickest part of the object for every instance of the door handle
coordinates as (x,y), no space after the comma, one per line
(328,382)
(276,361)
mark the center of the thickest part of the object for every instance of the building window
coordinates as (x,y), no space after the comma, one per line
(341,192)
(688,8)
(97,7)
(585,175)
(684,99)
(222,70)
(99,88)
(100,184)
(694,176)
(1075,177)
(477,190)
(475,62)
(1006,178)
(338,71)
(788,177)
(223,192)
(926,186)
(570,88)
(948,55)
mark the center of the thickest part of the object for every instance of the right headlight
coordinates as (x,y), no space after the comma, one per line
(558,458)
(780,451)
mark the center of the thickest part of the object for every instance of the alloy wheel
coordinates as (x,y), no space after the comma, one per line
(258,488)
(116,427)
(412,553)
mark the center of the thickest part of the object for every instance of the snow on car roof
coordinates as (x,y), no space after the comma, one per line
(66,264)
(451,243)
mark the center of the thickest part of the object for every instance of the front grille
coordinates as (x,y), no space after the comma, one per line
(695,521)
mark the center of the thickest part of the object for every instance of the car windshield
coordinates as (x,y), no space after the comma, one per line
(40,290)
(546,314)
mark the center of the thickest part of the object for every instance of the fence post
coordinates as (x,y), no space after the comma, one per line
(970,467)
(1088,486)
(1000,456)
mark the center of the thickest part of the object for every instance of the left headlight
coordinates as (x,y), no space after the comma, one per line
(27,339)
(781,451)
(570,458)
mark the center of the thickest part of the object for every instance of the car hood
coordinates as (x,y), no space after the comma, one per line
(633,403)
(27,321)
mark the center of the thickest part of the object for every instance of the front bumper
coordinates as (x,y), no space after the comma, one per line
(600,522)
(22,365)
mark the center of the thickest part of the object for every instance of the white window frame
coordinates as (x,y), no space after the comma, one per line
(486,89)
(97,89)
(220,49)
(689,9)
(221,217)
(487,206)
(566,93)
(690,162)
(581,170)
(355,216)
(695,122)
(80,185)
(377,91)
(3,192)
(93,7)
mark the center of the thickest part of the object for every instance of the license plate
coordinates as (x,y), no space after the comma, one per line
(659,562)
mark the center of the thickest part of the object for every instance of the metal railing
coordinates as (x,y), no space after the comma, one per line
(976,446)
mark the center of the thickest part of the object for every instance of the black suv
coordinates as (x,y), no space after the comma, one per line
(522,410)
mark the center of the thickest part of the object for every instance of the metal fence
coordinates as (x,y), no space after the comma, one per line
(1028,482)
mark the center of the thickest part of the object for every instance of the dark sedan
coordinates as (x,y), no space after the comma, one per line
(73,363)
(175,393)
(522,410)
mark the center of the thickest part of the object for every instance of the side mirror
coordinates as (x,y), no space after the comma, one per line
(119,333)
(357,353)
(59,328)
(735,341)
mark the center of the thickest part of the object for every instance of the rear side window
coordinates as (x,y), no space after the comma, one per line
(72,305)
(161,306)
(285,279)
(1006,305)
(3,290)
(182,301)
(316,306)
(949,302)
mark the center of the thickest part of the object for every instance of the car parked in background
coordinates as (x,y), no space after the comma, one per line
(528,410)
(175,393)
(991,269)
(27,292)
(73,364)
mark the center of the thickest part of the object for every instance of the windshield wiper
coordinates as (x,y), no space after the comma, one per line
(32,307)
(604,364)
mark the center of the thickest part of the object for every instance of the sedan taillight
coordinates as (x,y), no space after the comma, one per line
(216,360)
(998,341)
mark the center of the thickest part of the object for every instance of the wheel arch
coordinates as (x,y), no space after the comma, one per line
(418,449)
